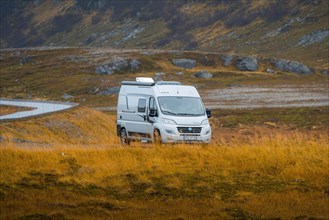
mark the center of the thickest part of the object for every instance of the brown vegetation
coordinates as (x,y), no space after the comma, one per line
(71,167)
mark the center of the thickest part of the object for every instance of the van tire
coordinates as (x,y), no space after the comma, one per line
(157,137)
(123,137)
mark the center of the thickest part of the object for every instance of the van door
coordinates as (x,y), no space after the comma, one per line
(141,128)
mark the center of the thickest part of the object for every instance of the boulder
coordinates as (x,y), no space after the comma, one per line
(134,65)
(184,63)
(293,67)
(118,65)
(227,59)
(203,74)
(325,72)
(247,63)
(25,59)
(180,73)
(104,70)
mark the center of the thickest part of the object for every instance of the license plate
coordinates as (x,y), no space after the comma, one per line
(190,138)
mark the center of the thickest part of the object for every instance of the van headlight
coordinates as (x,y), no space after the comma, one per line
(168,121)
(205,122)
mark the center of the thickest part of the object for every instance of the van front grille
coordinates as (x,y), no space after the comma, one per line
(189,129)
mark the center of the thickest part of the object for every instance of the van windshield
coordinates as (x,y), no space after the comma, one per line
(183,106)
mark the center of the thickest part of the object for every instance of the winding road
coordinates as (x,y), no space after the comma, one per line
(38,108)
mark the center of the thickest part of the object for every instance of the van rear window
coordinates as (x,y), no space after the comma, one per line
(141,105)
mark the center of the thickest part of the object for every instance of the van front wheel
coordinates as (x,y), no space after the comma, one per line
(157,137)
(123,137)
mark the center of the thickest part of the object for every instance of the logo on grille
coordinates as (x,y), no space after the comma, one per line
(189,129)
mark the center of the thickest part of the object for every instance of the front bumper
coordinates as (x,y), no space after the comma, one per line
(171,134)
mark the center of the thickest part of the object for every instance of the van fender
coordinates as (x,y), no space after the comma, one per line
(156,127)
(119,127)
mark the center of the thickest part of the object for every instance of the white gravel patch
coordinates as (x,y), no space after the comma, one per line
(267,97)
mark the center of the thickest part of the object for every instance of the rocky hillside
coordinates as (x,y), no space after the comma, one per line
(296,29)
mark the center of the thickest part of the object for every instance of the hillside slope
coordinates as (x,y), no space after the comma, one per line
(297,29)
(81,126)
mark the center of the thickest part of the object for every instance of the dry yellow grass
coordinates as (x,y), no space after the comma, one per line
(70,166)
(277,176)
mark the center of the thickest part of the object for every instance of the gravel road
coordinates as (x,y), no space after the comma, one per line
(244,97)
(39,108)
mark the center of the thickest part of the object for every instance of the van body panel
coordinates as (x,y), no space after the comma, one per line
(137,99)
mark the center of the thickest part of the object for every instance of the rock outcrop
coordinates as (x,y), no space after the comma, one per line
(184,63)
(118,65)
(292,66)
(247,63)
(314,37)
(203,74)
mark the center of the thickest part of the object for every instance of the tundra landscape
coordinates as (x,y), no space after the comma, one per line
(260,66)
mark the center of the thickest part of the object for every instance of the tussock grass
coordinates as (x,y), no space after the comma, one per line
(279,176)
(70,166)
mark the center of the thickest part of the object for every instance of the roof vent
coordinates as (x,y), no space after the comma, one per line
(144,79)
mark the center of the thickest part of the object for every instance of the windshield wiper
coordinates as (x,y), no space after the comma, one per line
(184,114)
(169,112)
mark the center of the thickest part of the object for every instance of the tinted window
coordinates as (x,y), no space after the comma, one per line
(141,105)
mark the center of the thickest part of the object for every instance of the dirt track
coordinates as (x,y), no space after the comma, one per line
(243,97)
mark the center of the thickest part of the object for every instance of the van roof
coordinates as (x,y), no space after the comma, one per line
(134,83)
(160,88)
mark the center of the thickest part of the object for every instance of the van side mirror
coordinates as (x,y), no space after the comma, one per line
(153,113)
(208,112)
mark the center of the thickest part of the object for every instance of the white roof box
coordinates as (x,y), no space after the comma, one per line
(144,79)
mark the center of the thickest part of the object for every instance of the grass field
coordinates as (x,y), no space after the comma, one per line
(274,177)
(69,166)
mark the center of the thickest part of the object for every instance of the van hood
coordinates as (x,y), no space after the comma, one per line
(186,120)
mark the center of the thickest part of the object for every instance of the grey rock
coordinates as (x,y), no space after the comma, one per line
(203,74)
(325,72)
(247,63)
(110,91)
(270,71)
(180,73)
(227,59)
(314,37)
(104,70)
(67,96)
(25,59)
(118,65)
(2,139)
(292,66)
(134,65)
(184,63)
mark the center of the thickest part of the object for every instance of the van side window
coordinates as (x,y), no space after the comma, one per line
(152,104)
(141,105)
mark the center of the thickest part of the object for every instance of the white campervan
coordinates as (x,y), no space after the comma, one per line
(161,112)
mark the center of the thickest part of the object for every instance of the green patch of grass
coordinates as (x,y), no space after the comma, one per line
(293,117)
